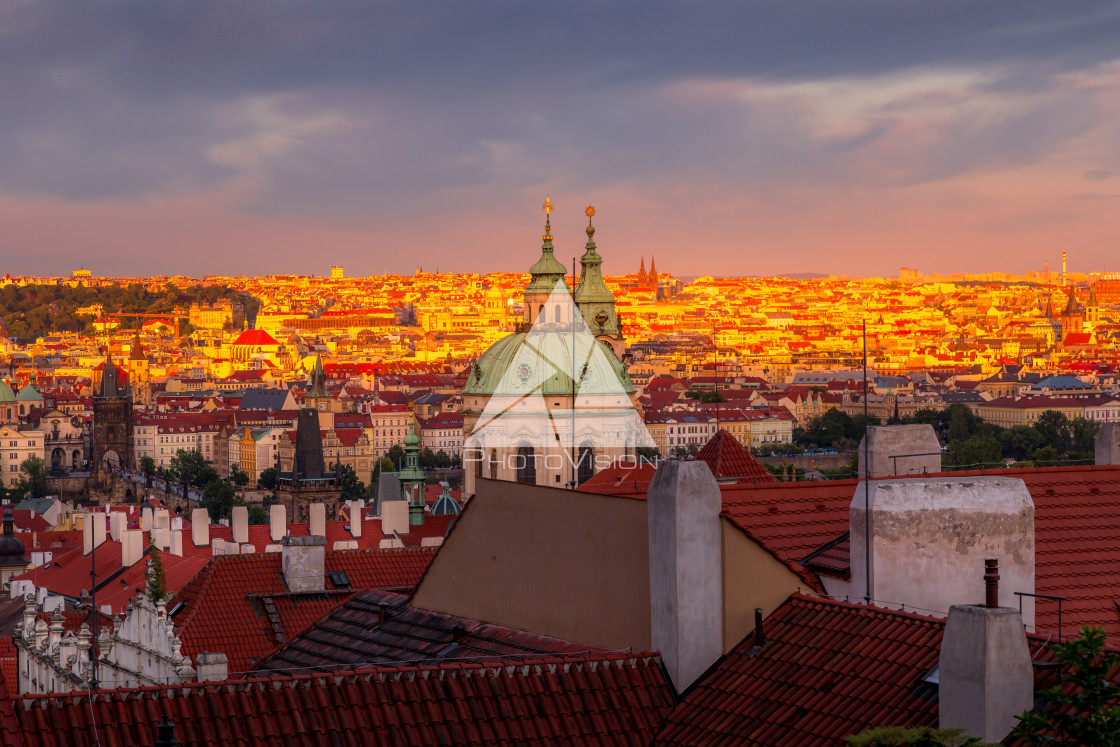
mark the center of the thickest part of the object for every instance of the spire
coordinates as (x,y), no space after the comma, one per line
(1072,306)
(1093,295)
(317,381)
(547,270)
(137,351)
(652,268)
(591,288)
(108,376)
(642,270)
(1048,312)
(412,478)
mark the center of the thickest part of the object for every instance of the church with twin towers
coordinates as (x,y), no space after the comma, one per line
(552,403)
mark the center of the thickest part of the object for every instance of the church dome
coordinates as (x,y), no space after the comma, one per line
(6,393)
(513,363)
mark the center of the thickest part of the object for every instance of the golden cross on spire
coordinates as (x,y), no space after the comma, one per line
(547,206)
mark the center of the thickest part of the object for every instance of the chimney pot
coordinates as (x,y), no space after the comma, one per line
(759,634)
(991,582)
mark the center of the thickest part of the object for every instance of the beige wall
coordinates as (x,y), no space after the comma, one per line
(752,578)
(576,565)
(559,562)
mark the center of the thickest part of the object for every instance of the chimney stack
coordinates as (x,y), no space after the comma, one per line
(985,672)
(240,524)
(177,542)
(686,569)
(394,517)
(355,519)
(897,450)
(200,527)
(277,522)
(991,582)
(989,516)
(132,547)
(304,562)
(117,525)
(1107,445)
(318,524)
(211,665)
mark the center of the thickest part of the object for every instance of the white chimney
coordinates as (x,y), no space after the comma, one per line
(161,536)
(1107,445)
(146,516)
(277,522)
(117,525)
(217,546)
(685,569)
(177,542)
(898,450)
(345,545)
(162,518)
(355,519)
(394,517)
(211,666)
(985,674)
(87,534)
(132,547)
(318,525)
(916,561)
(240,524)
(200,527)
(304,562)
(98,522)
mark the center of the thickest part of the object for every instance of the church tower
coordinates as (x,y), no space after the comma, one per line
(594,299)
(642,273)
(1092,308)
(651,279)
(112,422)
(545,273)
(317,397)
(138,375)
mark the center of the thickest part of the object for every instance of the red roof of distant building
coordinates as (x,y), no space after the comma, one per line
(255,337)
(726,457)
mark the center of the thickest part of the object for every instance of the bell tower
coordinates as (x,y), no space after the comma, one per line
(594,299)
(545,274)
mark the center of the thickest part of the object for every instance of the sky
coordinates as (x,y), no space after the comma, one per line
(274,136)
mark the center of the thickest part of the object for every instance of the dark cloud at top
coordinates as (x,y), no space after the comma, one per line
(355,111)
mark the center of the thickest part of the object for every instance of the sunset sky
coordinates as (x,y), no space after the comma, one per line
(837,137)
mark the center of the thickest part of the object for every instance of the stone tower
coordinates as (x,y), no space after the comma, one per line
(112,422)
(138,375)
(307,481)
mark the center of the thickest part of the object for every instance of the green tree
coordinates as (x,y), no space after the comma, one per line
(155,577)
(148,467)
(960,423)
(352,488)
(190,469)
(267,480)
(442,459)
(712,397)
(1088,713)
(826,430)
(1046,456)
(258,514)
(396,455)
(1020,442)
(33,477)
(976,450)
(427,459)
(906,736)
(1083,435)
(218,498)
(1054,428)
(237,476)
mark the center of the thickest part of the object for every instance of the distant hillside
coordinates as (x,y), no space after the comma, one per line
(33,311)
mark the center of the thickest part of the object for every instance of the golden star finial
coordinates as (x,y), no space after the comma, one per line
(590,211)
(547,206)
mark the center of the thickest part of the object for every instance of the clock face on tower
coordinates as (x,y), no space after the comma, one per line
(322,407)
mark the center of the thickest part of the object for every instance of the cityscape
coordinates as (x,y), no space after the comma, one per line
(353,393)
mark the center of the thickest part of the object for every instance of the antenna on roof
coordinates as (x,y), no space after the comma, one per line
(866,476)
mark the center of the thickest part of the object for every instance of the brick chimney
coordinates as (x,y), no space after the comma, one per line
(985,672)
(304,562)
(685,569)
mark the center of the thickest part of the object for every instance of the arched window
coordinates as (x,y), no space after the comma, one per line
(585,468)
(541,313)
(556,313)
(526,465)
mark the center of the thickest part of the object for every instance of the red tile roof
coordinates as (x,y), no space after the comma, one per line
(605,700)
(225,608)
(255,337)
(726,457)
(827,670)
(354,634)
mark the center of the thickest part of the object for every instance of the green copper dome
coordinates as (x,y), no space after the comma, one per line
(6,393)
(516,362)
(546,271)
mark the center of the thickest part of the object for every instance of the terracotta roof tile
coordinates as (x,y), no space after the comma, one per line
(354,634)
(602,700)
